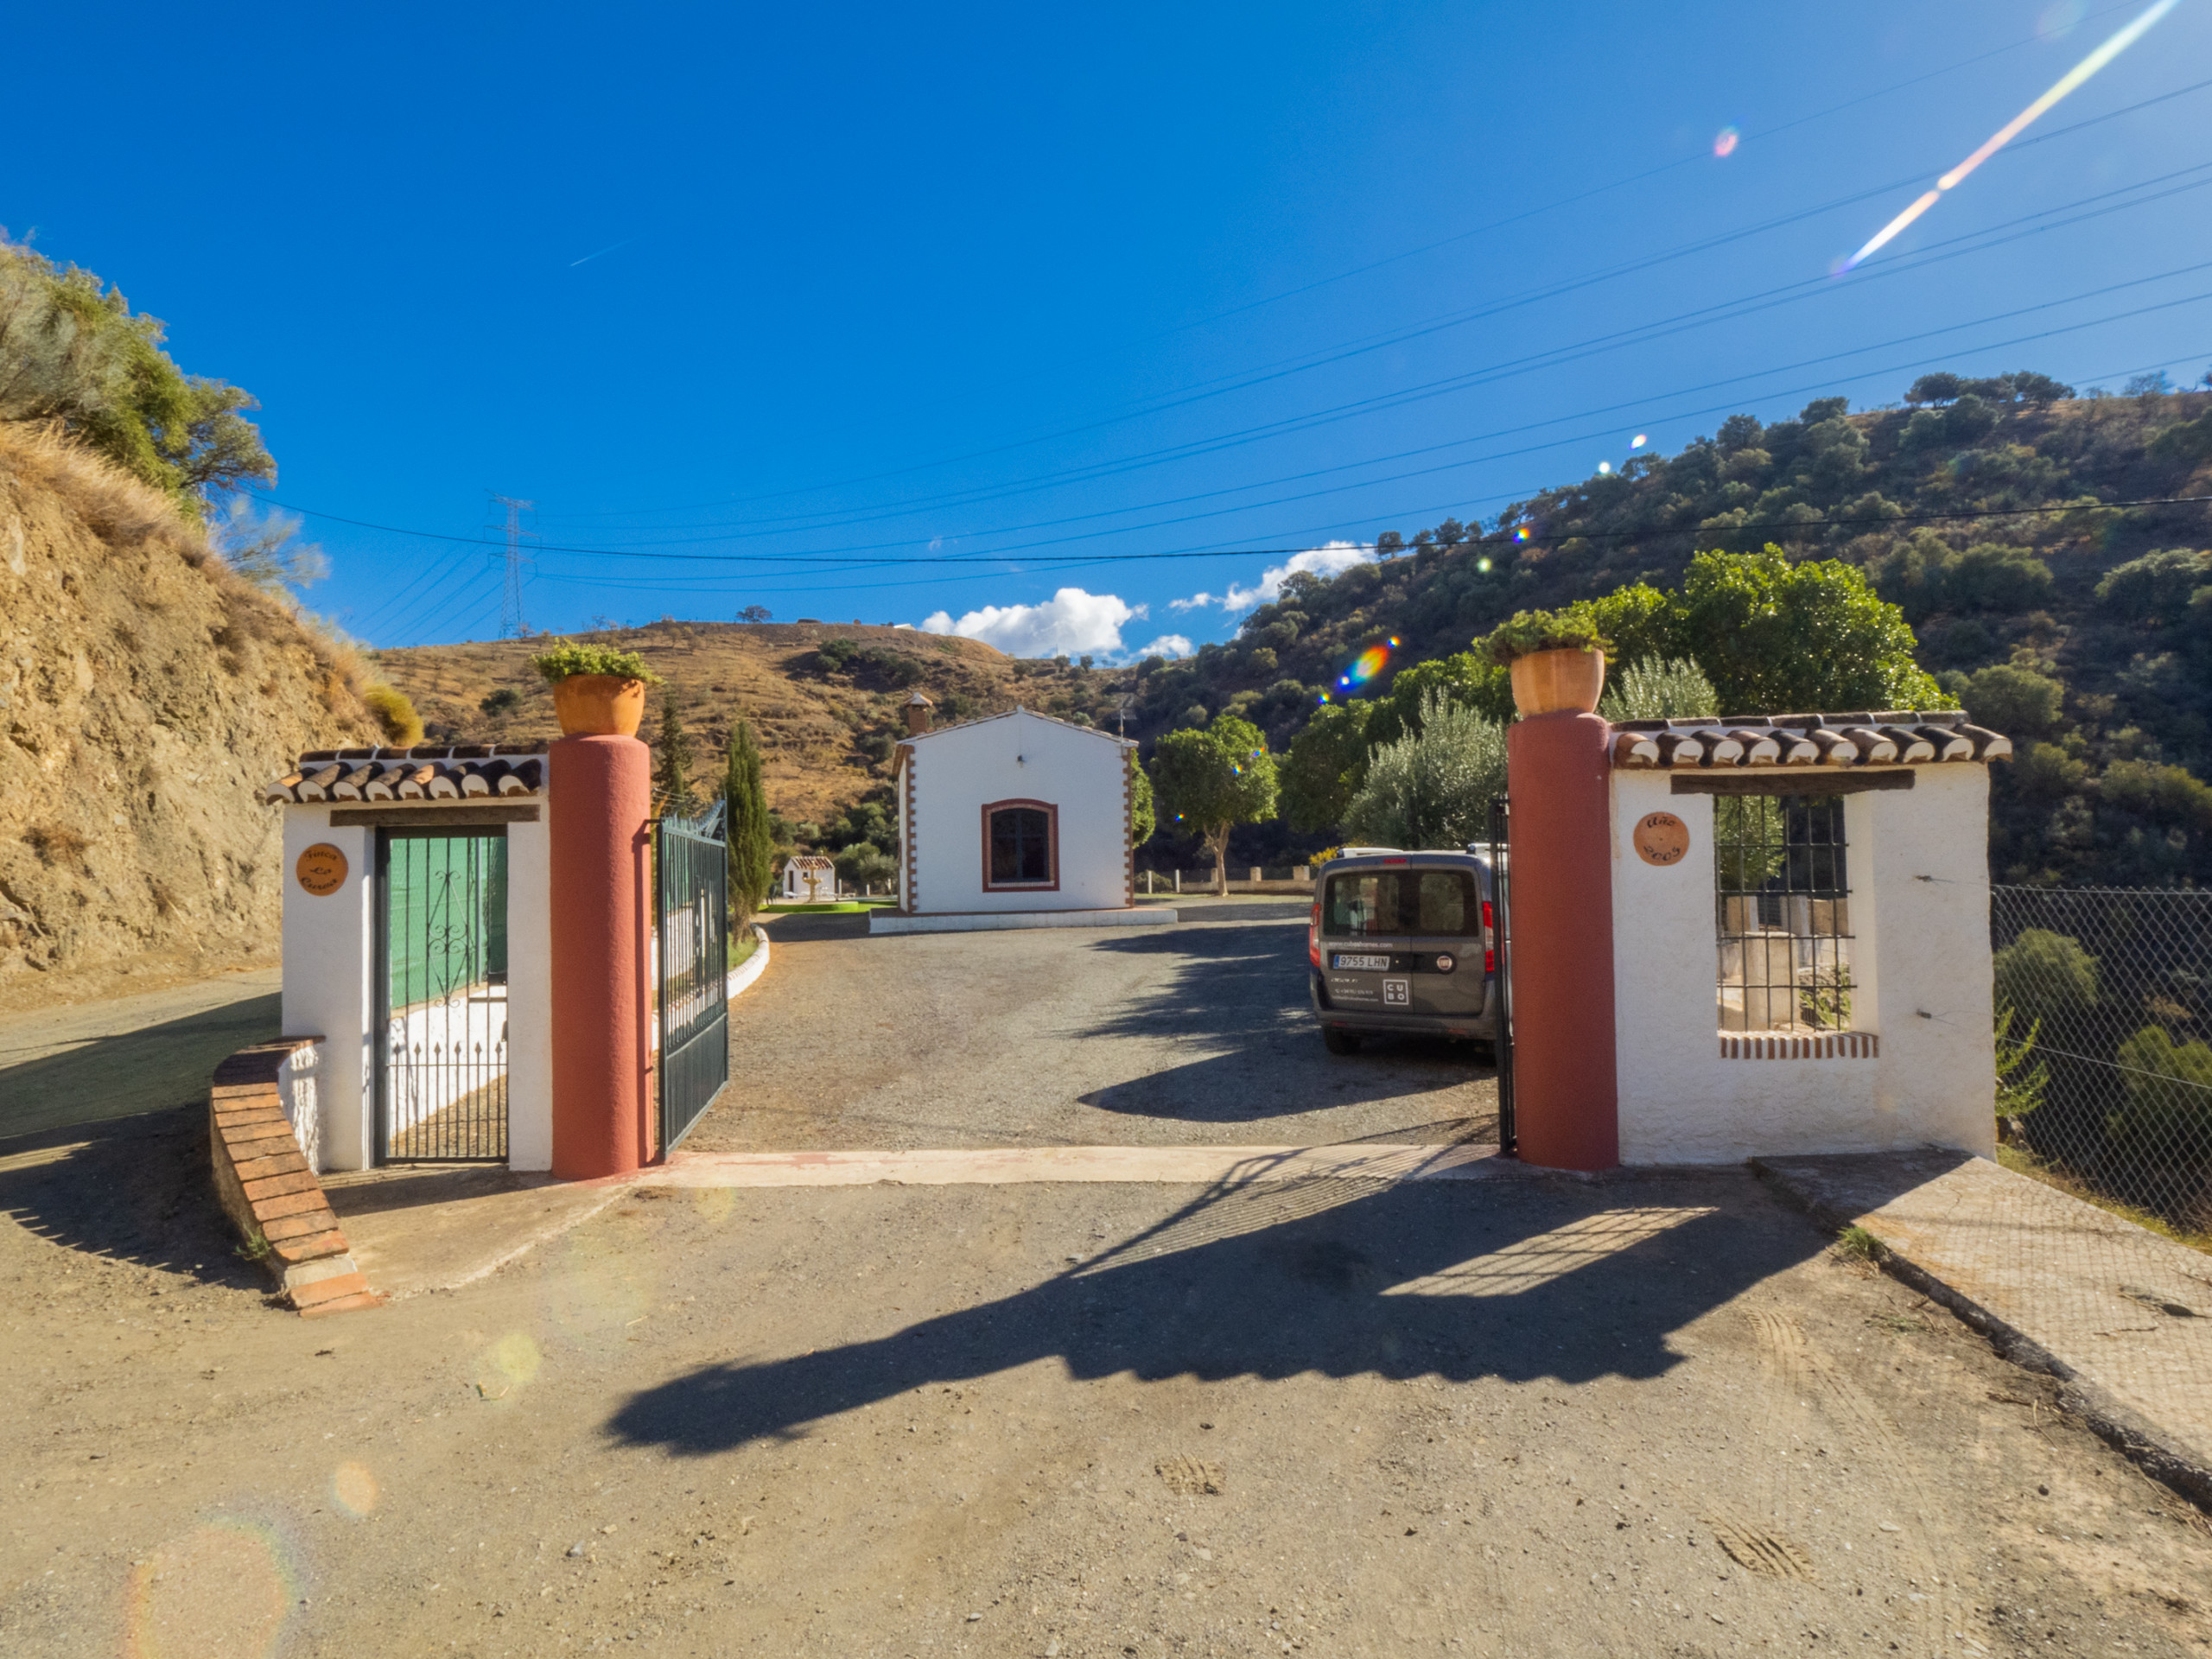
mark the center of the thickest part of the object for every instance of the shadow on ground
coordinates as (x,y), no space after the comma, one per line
(1236,996)
(148,1070)
(1514,1279)
(137,1189)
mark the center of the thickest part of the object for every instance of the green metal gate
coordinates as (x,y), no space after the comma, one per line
(442,995)
(691,876)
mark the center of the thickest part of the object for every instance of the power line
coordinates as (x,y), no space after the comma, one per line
(847,557)
(1964,244)
(1467,235)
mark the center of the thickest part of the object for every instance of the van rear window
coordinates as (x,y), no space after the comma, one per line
(1402,905)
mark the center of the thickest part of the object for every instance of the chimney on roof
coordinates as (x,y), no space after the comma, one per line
(918,715)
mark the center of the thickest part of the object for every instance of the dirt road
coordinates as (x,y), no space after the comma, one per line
(1524,1415)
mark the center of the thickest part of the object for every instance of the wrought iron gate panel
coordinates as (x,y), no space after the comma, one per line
(691,874)
(1501,884)
(441,994)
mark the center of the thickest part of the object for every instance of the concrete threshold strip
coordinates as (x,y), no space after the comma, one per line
(998,1165)
(2122,1316)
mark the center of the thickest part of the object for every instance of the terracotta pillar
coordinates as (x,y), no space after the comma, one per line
(1558,780)
(600,795)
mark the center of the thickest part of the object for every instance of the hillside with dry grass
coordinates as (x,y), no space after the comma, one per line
(824,699)
(146,691)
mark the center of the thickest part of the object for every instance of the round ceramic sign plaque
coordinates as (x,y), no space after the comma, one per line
(322,870)
(1662,838)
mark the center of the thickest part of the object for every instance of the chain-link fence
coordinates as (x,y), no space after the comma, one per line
(2104,1015)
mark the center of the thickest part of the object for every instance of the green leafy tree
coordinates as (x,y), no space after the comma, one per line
(2168,1117)
(71,350)
(747,823)
(1777,638)
(1144,816)
(2018,702)
(1432,788)
(1464,677)
(1326,766)
(1211,781)
(864,865)
(2047,978)
(672,763)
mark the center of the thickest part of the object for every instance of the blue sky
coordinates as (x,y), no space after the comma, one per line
(968,316)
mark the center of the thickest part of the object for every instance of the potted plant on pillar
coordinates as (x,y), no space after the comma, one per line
(1557,659)
(598,691)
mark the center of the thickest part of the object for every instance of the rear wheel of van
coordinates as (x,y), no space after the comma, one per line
(1338,1041)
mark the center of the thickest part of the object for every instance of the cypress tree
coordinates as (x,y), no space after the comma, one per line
(672,762)
(752,850)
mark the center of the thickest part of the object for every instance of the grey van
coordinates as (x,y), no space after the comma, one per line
(1403,942)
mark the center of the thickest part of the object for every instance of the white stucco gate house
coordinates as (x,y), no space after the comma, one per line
(1748,936)
(416,945)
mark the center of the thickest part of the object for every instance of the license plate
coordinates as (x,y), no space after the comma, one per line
(1363,964)
(1397,993)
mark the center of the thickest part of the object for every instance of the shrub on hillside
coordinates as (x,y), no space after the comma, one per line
(395,714)
(2018,702)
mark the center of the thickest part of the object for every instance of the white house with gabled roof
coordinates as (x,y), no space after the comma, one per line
(1017,820)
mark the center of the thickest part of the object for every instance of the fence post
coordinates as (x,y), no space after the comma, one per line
(1179,880)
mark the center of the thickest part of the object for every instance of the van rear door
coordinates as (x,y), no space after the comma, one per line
(1403,940)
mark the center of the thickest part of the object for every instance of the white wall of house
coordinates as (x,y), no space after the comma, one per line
(957,772)
(329,965)
(1917,865)
(330,992)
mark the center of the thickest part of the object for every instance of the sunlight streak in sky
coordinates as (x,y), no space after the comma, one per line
(2081,72)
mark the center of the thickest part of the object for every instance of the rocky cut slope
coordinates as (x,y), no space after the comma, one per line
(146,691)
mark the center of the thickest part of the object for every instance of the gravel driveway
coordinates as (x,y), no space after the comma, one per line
(1198,1033)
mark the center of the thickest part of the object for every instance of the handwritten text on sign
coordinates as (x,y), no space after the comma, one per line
(1662,838)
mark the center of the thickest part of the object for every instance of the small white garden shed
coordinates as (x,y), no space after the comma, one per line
(1018,820)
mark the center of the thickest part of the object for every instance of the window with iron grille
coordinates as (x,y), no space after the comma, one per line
(1782,896)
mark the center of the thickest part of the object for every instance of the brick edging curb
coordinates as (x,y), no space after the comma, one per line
(2141,1441)
(266,1187)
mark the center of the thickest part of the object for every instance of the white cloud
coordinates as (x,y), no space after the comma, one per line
(1072,623)
(1168,644)
(1195,602)
(1334,559)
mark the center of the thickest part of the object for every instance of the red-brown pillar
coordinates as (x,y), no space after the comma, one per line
(600,795)
(1566,1111)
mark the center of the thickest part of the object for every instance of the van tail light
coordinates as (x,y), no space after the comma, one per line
(1490,940)
(1313,936)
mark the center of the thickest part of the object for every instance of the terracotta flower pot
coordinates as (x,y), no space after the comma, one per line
(595,705)
(1552,681)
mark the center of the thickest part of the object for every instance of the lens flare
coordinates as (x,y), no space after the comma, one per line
(1367,665)
(1639,441)
(353,1489)
(1724,142)
(1604,466)
(1521,534)
(2066,83)
(1483,565)
(223,1588)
